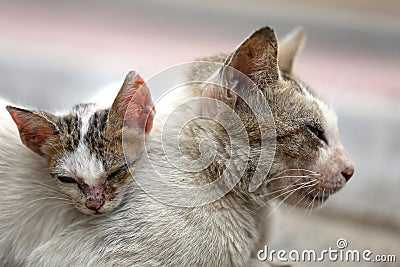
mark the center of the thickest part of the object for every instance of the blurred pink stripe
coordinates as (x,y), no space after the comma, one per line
(116,45)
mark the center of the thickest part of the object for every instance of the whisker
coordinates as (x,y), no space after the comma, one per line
(292,190)
(49,198)
(311,204)
(290,176)
(306,192)
(63,205)
(298,169)
(312,207)
(291,193)
(46,185)
(284,187)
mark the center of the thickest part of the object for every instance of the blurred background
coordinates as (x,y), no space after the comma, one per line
(57,53)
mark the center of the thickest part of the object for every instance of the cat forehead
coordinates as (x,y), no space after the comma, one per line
(326,114)
(85,123)
(83,142)
(82,164)
(304,100)
(90,117)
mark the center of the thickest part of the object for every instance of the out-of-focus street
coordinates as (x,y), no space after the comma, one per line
(57,53)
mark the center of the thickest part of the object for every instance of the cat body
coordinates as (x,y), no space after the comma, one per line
(39,196)
(161,223)
(160,226)
(147,232)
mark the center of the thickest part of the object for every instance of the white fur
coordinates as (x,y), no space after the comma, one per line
(330,117)
(145,232)
(332,157)
(81,163)
(331,128)
(32,208)
(85,119)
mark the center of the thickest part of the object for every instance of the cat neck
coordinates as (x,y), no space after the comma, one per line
(233,159)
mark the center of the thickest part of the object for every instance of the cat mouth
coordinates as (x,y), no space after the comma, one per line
(322,194)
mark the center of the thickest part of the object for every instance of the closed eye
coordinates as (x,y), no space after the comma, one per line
(318,133)
(117,173)
(67,180)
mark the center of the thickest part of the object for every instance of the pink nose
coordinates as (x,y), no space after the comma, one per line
(348,172)
(97,191)
(94,205)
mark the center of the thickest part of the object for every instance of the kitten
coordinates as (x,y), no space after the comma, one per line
(78,160)
(227,231)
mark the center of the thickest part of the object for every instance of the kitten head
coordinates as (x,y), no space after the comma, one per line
(84,148)
(310,163)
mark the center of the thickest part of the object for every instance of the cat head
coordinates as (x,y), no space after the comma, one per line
(310,163)
(84,148)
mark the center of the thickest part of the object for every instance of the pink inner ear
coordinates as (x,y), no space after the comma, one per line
(32,129)
(138,105)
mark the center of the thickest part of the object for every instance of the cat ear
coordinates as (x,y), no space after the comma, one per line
(257,57)
(289,48)
(34,128)
(133,105)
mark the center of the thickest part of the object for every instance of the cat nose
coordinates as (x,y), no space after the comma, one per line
(94,205)
(348,172)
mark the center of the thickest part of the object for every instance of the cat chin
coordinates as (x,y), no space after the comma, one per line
(307,200)
(91,212)
(83,209)
(305,188)
(317,195)
(108,207)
